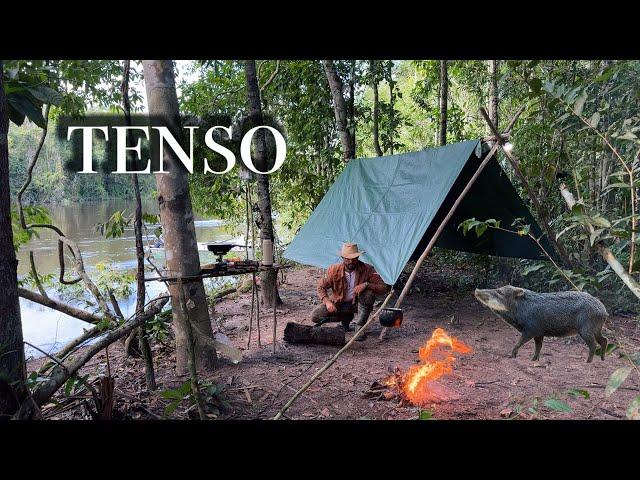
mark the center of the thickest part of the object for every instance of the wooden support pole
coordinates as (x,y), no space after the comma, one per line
(274,322)
(258,314)
(443,224)
(253,299)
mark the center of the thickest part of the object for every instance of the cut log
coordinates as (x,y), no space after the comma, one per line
(306,334)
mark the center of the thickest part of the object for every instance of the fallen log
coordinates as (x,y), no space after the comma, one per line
(297,333)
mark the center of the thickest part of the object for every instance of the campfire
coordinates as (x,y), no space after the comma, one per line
(437,359)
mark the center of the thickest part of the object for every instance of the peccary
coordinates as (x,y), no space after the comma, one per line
(536,315)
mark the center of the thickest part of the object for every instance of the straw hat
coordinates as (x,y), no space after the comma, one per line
(350,250)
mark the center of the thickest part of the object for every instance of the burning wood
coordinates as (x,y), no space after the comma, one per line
(416,386)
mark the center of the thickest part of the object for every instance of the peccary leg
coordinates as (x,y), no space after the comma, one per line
(523,339)
(538,341)
(591,341)
(603,343)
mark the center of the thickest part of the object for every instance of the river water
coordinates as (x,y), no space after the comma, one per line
(48,329)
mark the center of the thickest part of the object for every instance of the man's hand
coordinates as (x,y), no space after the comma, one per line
(358,289)
(331,307)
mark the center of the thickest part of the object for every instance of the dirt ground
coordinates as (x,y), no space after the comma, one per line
(485,384)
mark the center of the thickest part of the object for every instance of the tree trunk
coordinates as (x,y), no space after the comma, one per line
(340,110)
(12,364)
(351,106)
(176,217)
(268,278)
(444,94)
(376,109)
(392,108)
(143,341)
(493,92)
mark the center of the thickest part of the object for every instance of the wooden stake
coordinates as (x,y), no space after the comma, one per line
(258,312)
(275,322)
(253,296)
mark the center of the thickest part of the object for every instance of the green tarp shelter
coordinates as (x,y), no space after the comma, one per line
(391,207)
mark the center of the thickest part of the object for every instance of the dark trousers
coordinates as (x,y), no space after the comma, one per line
(346,310)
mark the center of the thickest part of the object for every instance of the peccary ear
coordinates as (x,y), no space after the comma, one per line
(519,292)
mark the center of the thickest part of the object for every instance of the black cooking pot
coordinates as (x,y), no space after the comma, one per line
(220,248)
(390,317)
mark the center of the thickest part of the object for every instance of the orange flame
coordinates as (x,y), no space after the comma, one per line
(415,381)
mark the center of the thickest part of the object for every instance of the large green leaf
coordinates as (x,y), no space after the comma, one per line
(616,380)
(557,405)
(26,107)
(601,222)
(579,103)
(578,393)
(15,116)
(633,410)
(46,94)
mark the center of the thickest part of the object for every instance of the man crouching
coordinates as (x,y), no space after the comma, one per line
(349,280)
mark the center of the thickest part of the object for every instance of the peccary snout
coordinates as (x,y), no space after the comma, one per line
(537,315)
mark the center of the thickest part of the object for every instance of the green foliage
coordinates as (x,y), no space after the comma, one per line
(616,380)
(578,393)
(633,410)
(33,214)
(554,403)
(210,393)
(27,87)
(115,226)
(479,226)
(557,405)
(118,281)
(426,415)
(158,328)
(177,396)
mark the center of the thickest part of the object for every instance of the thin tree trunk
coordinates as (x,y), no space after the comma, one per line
(376,109)
(351,106)
(269,277)
(340,110)
(12,364)
(634,218)
(444,94)
(493,66)
(143,341)
(392,114)
(176,217)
